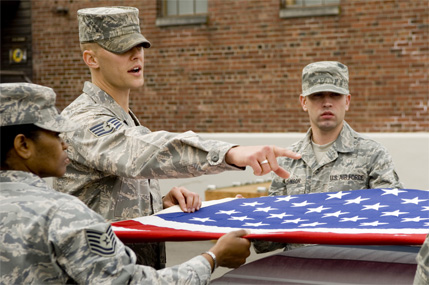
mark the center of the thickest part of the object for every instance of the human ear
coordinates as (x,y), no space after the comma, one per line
(23,146)
(303,101)
(90,59)
(348,98)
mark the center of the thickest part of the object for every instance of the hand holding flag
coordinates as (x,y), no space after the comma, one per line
(188,201)
(232,249)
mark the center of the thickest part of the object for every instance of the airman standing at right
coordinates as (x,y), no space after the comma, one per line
(334,156)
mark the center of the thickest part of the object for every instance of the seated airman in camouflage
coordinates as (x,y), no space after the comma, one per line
(51,237)
(334,156)
(115,161)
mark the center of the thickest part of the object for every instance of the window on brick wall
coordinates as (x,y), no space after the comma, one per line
(182,12)
(309,8)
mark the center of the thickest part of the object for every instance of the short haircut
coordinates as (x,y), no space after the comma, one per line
(89,46)
(8,135)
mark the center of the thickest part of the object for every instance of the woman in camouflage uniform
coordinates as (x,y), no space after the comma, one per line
(51,237)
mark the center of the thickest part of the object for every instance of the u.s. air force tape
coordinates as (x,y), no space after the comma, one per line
(107,127)
(101,243)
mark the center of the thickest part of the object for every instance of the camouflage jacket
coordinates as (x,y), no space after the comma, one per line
(115,160)
(422,272)
(48,237)
(352,162)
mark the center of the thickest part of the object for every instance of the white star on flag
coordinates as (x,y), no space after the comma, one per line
(285,198)
(372,224)
(391,192)
(415,219)
(415,200)
(352,219)
(338,195)
(317,210)
(302,204)
(356,200)
(251,204)
(228,212)
(240,218)
(266,209)
(336,214)
(394,213)
(280,216)
(202,220)
(296,221)
(374,207)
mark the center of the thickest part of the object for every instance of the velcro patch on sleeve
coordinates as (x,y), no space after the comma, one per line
(102,243)
(105,128)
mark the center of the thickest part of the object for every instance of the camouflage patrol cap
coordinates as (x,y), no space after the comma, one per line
(330,76)
(116,29)
(27,103)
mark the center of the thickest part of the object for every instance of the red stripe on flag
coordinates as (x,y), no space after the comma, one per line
(136,232)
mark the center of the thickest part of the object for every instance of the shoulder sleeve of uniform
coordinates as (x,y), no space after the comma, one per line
(381,167)
(86,248)
(108,145)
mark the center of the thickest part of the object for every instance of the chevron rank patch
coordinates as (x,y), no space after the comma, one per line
(105,128)
(102,243)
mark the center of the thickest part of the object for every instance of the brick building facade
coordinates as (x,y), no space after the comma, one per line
(240,71)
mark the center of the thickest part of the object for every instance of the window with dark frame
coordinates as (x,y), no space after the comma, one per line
(184,7)
(308,8)
(182,12)
(308,3)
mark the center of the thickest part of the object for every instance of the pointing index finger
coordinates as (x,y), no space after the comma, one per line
(283,152)
(278,151)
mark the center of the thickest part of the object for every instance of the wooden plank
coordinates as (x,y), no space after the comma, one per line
(247,191)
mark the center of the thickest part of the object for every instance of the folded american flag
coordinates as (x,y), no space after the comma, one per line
(371,216)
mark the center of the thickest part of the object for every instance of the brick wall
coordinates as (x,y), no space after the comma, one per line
(241,72)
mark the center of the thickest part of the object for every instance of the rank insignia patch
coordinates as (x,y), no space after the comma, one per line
(102,243)
(105,128)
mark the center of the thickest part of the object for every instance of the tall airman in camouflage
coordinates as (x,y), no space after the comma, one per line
(115,161)
(51,237)
(334,156)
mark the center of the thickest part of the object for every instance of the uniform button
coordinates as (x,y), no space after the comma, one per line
(215,157)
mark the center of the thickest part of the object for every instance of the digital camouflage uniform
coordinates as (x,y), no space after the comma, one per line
(47,237)
(422,273)
(115,160)
(352,162)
